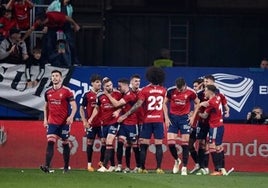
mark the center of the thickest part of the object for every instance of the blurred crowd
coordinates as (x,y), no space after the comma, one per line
(54,21)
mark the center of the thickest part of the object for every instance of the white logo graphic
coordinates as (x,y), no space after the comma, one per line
(236,89)
(13,87)
(3,135)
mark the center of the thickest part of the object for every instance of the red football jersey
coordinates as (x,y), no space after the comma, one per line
(56,19)
(153,97)
(88,101)
(7,25)
(106,107)
(180,102)
(223,98)
(202,98)
(130,99)
(215,111)
(58,104)
(22,14)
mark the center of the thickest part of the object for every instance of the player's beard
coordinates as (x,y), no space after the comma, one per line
(109,90)
(56,83)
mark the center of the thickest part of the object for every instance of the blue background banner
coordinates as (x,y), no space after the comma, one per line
(243,87)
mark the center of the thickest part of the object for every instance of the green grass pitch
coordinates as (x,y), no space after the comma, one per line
(34,178)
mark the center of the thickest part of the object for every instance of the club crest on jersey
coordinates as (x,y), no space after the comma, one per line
(236,89)
(3,135)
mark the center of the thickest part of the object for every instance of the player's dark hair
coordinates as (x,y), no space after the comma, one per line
(212,88)
(95,77)
(56,71)
(155,75)
(210,77)
(135,76)
(105,80)
(199,81)
(180,82)
(257,107)
(124,81)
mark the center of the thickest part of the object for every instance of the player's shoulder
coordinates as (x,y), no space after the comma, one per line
(214,99)
(145,87)
(131,94)
(100,93)
(65,88)
(172,88)
(219,93)
(49,89)
(116,91)
(153,88)
(190,89)
(87,92)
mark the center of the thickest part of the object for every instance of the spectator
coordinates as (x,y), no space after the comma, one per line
(164,59)
(7,21)
(61,57)
(12,49)
(65,6)
(264,64)
(256,116)
(21,10)
(54,22)
(34,60)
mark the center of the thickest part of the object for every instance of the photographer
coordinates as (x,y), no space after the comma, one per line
(256,116)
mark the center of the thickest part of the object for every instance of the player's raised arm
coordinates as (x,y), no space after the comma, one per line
(115,103)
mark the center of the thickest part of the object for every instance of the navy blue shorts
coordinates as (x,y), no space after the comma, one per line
(131,132)
(216,135)
(179,123)
(202,131)
(62,131)
(92,132)
(104,131)
(109,129)
(157,129)
(193,133)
